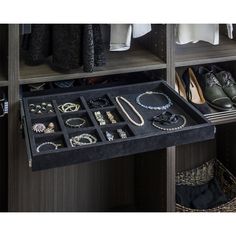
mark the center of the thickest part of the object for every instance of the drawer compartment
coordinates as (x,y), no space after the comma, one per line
(90,137)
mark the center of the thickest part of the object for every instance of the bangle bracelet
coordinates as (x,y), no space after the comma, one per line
(54,145)
(78,140)
(134,110)
(71,122)
(164,107)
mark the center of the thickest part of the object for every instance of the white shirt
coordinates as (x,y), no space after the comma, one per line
(186,33)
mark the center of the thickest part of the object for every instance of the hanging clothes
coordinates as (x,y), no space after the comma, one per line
(121,34)
(65,46)
(37,44)
(186,33)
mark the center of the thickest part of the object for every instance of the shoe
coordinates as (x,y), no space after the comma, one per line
(227,82)
(213,91)
(194,92)
(179,86)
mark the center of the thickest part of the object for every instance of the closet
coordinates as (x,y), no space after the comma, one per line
(138,182)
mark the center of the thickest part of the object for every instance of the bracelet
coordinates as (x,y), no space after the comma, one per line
(64,83)
(77,140)
(36,87)
(165,107)
(73,124)
(48,143)
(134,110)
(111,117)
(121,133)
(68,107)
(100,118)
(166,119)
(98,102)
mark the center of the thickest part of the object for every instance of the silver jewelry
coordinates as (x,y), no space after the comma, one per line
(111,117)
(70,122)
(109,136)
(160,108)
(134,110)
(99,118)
(121,133)
(48,143)
(69,107)
(78,140)
(31,105)
(39,128)
(49,105)
(171,129)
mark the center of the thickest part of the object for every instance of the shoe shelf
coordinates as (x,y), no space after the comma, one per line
(117,63)
(223,117)
(203,52)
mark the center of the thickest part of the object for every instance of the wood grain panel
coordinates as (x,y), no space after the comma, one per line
(117,63)
(203,52)
(98,186)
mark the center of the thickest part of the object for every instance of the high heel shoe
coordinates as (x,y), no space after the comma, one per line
(194,92)
(179,86)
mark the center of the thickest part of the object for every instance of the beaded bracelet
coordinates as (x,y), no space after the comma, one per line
(48,143)
(77,140)
(98,102)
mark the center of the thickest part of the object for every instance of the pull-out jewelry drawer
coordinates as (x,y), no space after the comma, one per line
(92,126)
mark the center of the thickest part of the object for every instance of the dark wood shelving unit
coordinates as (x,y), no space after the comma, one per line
(117,63)
(203,52)
(136,183)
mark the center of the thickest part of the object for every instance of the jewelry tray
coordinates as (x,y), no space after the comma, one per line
(139,139)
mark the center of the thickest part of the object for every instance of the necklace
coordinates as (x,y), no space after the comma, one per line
(160,108)
(134,110)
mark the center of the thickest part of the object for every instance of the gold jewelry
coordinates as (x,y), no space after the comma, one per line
(111,117)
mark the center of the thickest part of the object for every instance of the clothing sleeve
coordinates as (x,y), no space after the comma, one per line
(230,30)
(141,29)
(120,37)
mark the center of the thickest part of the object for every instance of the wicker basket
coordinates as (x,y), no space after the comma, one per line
(204,174)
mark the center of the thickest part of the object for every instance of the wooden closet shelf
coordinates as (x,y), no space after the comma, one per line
(203,52)
(117,63)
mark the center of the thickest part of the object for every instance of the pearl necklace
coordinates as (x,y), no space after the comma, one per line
(134,110)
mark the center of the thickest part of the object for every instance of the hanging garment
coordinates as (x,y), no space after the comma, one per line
(186,33)
(93,47)
(121,34)
(66,47)
(37,44)
(88,48)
